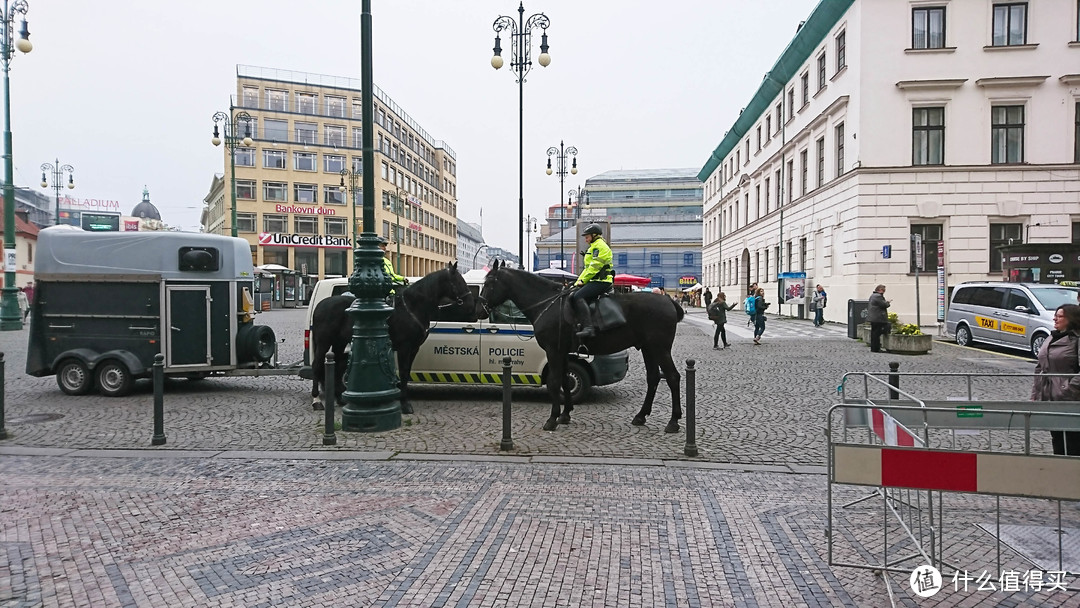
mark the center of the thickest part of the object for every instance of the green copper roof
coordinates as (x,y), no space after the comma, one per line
(817,26)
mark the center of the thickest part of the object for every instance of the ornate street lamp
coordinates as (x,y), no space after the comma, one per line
(57,171)
(520,63)
(10,315)
(353,177)
(232,140)
(530,227)
(371,386)
(560,155)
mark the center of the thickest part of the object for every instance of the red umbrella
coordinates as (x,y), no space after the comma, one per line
(632,280)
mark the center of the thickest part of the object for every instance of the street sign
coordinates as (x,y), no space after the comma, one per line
(918,251)
(886,252)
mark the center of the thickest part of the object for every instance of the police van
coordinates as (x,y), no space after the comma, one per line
(471,352)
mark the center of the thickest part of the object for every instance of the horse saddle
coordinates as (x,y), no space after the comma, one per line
(607,313)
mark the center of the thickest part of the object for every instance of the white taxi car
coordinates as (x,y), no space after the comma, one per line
(471,352)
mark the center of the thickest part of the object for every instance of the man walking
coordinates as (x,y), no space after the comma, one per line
(708,298)
(878,316)
(819,301)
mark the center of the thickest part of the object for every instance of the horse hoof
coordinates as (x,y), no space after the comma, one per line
(564,419)
(638,421)
(551,424)
(406,408)
(317,406)
(672,427)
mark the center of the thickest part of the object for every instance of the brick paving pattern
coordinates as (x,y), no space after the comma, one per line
(244,506)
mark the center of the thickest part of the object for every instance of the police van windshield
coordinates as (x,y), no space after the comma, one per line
(508,313)
(1052,297)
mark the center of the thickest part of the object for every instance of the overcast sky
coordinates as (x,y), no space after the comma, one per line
(124,90)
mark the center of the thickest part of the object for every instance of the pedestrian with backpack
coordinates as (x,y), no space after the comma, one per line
(820,299)
(718,314)
(751,293)
(755,307)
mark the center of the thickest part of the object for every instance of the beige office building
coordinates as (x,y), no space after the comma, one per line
(306,129)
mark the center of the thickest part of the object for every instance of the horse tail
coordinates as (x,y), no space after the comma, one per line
(679,312)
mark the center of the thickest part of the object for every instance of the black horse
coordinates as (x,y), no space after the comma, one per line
(443,292)
(650,327)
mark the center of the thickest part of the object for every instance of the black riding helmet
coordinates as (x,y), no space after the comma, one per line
(594,230)
(383,241)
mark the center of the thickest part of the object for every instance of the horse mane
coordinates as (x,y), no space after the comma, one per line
(535,279)
(420,291)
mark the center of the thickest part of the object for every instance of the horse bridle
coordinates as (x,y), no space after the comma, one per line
(549,301)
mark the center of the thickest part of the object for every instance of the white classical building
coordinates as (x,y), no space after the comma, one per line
(957,121)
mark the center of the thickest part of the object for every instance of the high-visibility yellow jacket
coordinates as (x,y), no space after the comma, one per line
(597,263)
(388,268)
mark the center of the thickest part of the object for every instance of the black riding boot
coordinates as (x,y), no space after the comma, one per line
(581,310)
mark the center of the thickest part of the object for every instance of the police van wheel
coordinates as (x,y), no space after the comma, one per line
(114,379)
(73,377)
(963,335)
(579,382)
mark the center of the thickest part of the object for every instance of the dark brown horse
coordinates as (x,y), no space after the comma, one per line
(651,321)
(414,307)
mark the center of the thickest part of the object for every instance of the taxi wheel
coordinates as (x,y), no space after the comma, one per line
(580,384)
(963,335)
(1036,344)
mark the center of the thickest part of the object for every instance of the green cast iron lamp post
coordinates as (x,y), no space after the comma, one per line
(232,140)
(57,171)
(10,315)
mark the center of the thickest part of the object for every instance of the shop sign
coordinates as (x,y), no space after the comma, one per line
(271,239)
(95,204)
(416,227)
(307,210)
(687,281)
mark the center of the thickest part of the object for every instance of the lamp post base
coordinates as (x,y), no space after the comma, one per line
(372,394)
(10,316)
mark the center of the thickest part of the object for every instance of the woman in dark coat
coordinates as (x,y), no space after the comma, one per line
(759,315)
(718,313)
(1061,355)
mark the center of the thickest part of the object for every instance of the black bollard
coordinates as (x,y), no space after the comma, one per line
(159,400)
(3,382)
(691,411)
(894,379)
(507,442)
(329,398)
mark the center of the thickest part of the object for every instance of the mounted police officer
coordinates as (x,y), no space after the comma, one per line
(388,267)
(595,279)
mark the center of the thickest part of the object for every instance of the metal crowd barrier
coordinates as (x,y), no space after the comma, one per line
(917,453)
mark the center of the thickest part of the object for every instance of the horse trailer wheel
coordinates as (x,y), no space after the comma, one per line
(579,382)
(73,377)
(1036,344)
(963,335)
(114,379)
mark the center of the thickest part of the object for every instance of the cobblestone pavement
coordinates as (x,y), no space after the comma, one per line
(244,506)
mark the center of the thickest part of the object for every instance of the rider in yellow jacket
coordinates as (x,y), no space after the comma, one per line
(388,267)
(595,279)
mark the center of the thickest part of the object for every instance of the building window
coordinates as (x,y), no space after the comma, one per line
(251,97)
(357,137)
(358,165)
(928,136)
(839,149)
(305,161)
(335,226)
(245,157)
(805,85)
(1010,24)
(305,133)
(306,102)
(333,195)
(768,127)
(779,189)
(804,169)
(275,192)
(790,180)
(931,235)
(928,28)
(275,130)
(1007,134)
(273,159)
(277,100)
(621,259)
(245,222)
(306,224)
(305,193)
(820,162)
(275,223)
(766,198)
(841,51)
(791,103)
(654,259)
(334,136)
(688,259)
(821,72)
(1076,233)
(1002,234)
(1076,127)
(245,189)
(758,140)
(333,163)
(335,106)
